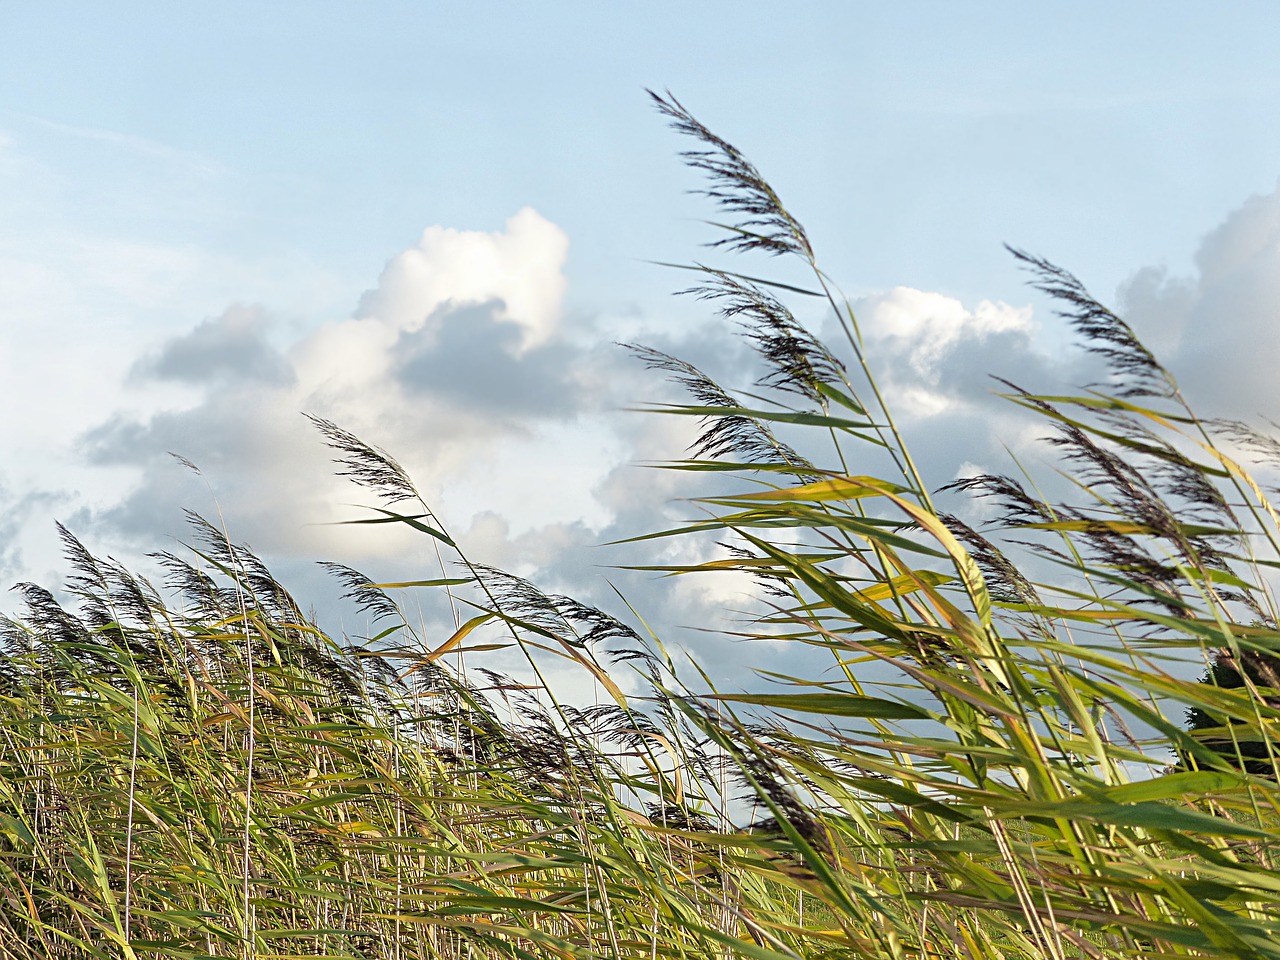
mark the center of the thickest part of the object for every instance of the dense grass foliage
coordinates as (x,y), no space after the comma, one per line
(1051,737)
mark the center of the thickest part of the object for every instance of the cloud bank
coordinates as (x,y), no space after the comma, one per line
(457,349)
(507,409)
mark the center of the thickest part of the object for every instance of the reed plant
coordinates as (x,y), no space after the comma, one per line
(1054,736)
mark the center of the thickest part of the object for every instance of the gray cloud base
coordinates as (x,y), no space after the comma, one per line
(231,348)
(467,356)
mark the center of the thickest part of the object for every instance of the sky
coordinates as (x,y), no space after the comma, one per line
(432,223)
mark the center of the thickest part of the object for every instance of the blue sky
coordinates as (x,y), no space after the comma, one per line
(914,140)
(186,186)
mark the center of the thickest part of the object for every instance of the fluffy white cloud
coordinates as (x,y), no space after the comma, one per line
(1218,331)
(520,266)
(519,270)
(456,362)
(931,322)
(921,346)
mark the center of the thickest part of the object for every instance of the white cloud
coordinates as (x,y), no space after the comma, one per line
(916,339)
(521,266)
(495,298)
(350,362)
(1219,330)
(532,483)
(906,313)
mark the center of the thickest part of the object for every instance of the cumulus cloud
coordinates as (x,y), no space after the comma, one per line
(457,354)
(518,272)
(933,351)
(934,359)
(520,267)
(1218,330)
(507,410)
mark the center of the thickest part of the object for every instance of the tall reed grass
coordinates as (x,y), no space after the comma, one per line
(1013,753)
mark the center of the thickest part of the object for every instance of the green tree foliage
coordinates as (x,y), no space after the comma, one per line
(1256,674)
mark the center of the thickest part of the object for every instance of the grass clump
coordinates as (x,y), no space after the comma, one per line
(997,763)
